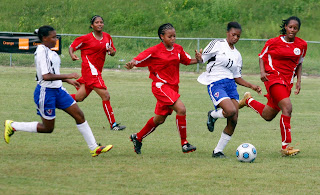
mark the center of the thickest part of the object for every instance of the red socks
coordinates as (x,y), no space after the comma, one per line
(109,112)
(182,128)
(285,129)
(255,105)
(146,130)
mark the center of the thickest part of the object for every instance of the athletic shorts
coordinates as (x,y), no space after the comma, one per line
(276,93)
(221,90)
(93,81)
(48,99)
(166,96)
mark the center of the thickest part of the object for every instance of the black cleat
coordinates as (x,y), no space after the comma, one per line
(136,143)
(218,155)
(117,127)
(211,121)
(186,148)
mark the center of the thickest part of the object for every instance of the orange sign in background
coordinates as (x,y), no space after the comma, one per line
(24,44)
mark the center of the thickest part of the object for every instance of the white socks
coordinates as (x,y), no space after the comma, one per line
(25,126)
(217,114)
(224,139)
(85,130)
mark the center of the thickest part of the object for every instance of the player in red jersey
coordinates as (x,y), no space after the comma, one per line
(163,61)
(280,61)
(94,47)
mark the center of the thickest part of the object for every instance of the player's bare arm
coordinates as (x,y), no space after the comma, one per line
(298,83)
(72,55)
(52,77)
(263,74)
(245,83)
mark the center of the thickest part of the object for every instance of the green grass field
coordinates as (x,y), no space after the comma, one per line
(60,163)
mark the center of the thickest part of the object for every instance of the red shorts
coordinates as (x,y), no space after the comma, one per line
(276,93)
(166,96)
(94,81)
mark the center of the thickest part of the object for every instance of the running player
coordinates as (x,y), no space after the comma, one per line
(163,61)
(50,94)
(94,47)
(280,61)
(223,71)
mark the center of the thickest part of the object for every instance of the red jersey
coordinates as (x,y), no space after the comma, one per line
(93,52)
(163,64)
(281,58)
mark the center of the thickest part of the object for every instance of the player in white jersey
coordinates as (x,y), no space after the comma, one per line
(49,95)
(222,73)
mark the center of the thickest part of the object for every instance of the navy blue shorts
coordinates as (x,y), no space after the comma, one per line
(222,89)
(48,99)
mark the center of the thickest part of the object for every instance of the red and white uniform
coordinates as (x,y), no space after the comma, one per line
(93,54)
(164,66)
(281,59)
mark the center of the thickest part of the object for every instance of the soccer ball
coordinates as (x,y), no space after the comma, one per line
(246,153)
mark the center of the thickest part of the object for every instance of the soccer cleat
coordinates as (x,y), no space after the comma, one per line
(8,130)
(100,149)
(242,102)
(289,151)
(186,148)
(117,127)
(218,155)
(136,143)
(211,121)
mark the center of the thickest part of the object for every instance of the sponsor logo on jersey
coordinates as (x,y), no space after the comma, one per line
(216,94)
(297,51)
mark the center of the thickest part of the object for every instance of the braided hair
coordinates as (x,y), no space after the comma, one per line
(162,29)
(43,31)
(94,18)
(286,22)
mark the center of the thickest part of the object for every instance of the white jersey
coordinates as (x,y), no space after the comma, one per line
(47,61)
(223,62)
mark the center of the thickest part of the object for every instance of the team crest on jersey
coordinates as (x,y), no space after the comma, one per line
(297,51)
(216,94)
(49,111)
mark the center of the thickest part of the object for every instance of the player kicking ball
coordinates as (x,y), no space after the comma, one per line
(50,94)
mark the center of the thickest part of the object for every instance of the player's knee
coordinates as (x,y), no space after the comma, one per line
(230,113)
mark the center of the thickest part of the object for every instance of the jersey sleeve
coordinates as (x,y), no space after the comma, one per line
(265,48)
(43,61)
(144,57)
(210,50)
(78,43)
(185,58)
(304,51)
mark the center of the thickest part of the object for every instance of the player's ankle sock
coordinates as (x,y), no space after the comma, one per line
(217,114)
(255,105)
(147,129)
(25,126)
(182,128)
(109,112)
(285,129)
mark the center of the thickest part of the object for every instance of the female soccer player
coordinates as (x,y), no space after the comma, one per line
(50,94)
(280,61)
(163,61)
(223,71)
(94,47)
